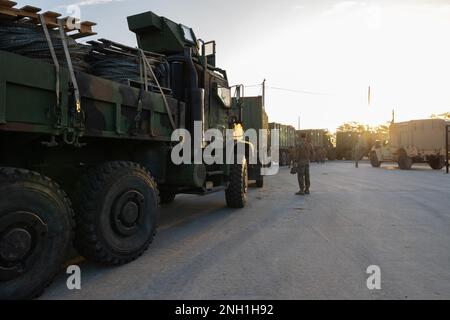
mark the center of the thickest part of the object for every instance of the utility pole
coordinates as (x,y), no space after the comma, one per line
(264,92)
(393,116)
(298,122)
(369,96)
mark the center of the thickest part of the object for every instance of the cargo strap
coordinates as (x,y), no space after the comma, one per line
(57,110)
(166,104)
(138,118)
(140,105)
(70,66)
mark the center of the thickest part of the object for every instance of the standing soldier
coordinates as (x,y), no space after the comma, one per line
(304,153)
(359,150)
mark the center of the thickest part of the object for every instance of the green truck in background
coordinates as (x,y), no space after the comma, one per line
(321,140)
(255,117)
(89,158)
(287,142)
(345,142)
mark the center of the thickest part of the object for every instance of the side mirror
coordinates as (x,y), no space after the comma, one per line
(209,49)
(224,94)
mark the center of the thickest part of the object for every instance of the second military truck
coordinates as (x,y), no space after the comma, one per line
(417,141)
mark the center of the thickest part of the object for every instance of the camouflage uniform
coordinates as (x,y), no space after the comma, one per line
(304,153)
(359,150)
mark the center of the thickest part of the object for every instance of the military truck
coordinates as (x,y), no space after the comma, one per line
(345,142)
(254,117)
(287,142)
(322,143)
(417,141)
(88,156)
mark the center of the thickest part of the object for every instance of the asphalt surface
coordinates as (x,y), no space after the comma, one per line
(284,246)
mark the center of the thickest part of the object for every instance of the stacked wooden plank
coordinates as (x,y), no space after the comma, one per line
(9,12)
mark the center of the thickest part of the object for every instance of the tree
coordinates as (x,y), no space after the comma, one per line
(353,126)
(445,116)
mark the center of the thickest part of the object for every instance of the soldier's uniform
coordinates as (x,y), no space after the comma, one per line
(304,154)
(359,150)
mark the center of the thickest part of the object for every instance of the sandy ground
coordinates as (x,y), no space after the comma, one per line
(284,246)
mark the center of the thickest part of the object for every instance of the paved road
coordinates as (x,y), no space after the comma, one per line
(284,246)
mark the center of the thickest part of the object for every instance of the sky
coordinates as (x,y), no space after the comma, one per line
(327,53)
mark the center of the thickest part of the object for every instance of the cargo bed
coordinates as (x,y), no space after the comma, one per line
(109,109)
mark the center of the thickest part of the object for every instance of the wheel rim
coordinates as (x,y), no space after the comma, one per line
(127,213)
(22,236)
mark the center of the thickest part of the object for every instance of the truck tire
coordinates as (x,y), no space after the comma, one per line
(283,159)
(260,182)
(166,197)
(36,229)
(374,160)
(404,161)
(331,155)
(236,193)
(117,213)
(437,163)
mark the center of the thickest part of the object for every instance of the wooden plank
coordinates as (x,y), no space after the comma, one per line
(82,35)
(7,4)
(31,9)
(88,23)
(52,15)
(8,12)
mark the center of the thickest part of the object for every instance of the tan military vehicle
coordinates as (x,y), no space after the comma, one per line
(417,141)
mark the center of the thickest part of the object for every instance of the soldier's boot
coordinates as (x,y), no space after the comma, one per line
(307,191)
(300,193)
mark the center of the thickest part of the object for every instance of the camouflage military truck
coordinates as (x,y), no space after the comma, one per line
(417,141)
(322,143)
(87,154)
(287,142)
(254,117)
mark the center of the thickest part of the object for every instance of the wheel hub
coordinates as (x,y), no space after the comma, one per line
(127,213)
(22,235)
(15,245)
(130,213)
